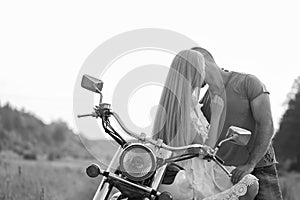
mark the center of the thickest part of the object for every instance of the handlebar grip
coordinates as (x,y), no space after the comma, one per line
(86,115)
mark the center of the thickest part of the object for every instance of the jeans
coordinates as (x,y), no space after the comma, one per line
(268,183)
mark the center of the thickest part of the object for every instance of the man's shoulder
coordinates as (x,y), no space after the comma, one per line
(244,75)
(237,79)
(241,77)
(247,85)
(240,74)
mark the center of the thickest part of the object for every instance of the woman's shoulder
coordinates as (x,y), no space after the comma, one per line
(201,116)
(199,122)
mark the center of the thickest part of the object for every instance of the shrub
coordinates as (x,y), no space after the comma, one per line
(30,156)
(53,156)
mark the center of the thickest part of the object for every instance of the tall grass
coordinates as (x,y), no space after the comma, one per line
(66,180)
(44,180)
(290,185)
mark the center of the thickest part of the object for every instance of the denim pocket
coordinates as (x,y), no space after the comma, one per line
(268,183)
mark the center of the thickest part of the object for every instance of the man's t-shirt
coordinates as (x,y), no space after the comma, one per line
(241,89)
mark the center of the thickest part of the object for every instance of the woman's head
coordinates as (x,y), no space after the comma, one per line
(172,121)
(189,64)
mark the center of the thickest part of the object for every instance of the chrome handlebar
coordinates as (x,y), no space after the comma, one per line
(160,144)
(157,143)
(142,136)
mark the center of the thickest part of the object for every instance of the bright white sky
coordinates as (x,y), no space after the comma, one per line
(43,45)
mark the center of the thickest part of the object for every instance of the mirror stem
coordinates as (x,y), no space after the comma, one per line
(101,96)
(225,140)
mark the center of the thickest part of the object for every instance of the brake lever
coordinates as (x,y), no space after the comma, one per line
(220,160)
(222,166)
(210,157)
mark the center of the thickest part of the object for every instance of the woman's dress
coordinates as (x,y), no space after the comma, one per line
(208,180)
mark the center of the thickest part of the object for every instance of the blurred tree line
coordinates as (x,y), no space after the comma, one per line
(287,139)
(28,136)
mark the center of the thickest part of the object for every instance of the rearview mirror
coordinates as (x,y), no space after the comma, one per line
(238,135)
(91,83)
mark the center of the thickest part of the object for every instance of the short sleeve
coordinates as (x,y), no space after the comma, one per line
(254,87)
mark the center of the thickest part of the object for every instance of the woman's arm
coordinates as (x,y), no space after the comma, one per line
(217,106)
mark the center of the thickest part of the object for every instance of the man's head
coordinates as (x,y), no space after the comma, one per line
(207,55)
(209,60)
(211,67)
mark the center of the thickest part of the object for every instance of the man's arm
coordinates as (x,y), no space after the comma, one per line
(261,111)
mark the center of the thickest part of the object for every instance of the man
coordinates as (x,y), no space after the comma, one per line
(247,106)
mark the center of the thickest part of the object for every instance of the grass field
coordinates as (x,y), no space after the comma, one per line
(290,185)
(66,180)
(45,180)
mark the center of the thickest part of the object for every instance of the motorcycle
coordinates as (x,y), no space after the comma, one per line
(146,168)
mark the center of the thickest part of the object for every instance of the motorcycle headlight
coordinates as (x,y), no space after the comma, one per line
(137,162)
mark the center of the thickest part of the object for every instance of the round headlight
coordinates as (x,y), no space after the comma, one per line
(137,162)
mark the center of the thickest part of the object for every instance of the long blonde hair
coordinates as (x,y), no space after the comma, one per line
(172,122)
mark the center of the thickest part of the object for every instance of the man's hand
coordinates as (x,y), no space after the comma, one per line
(241,171)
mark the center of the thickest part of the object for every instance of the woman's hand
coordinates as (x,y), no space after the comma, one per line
(207,150)
(217,105)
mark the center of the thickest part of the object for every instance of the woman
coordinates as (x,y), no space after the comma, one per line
(179,121)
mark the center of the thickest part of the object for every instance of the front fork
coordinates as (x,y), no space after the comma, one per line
(104,187)
(158,177)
